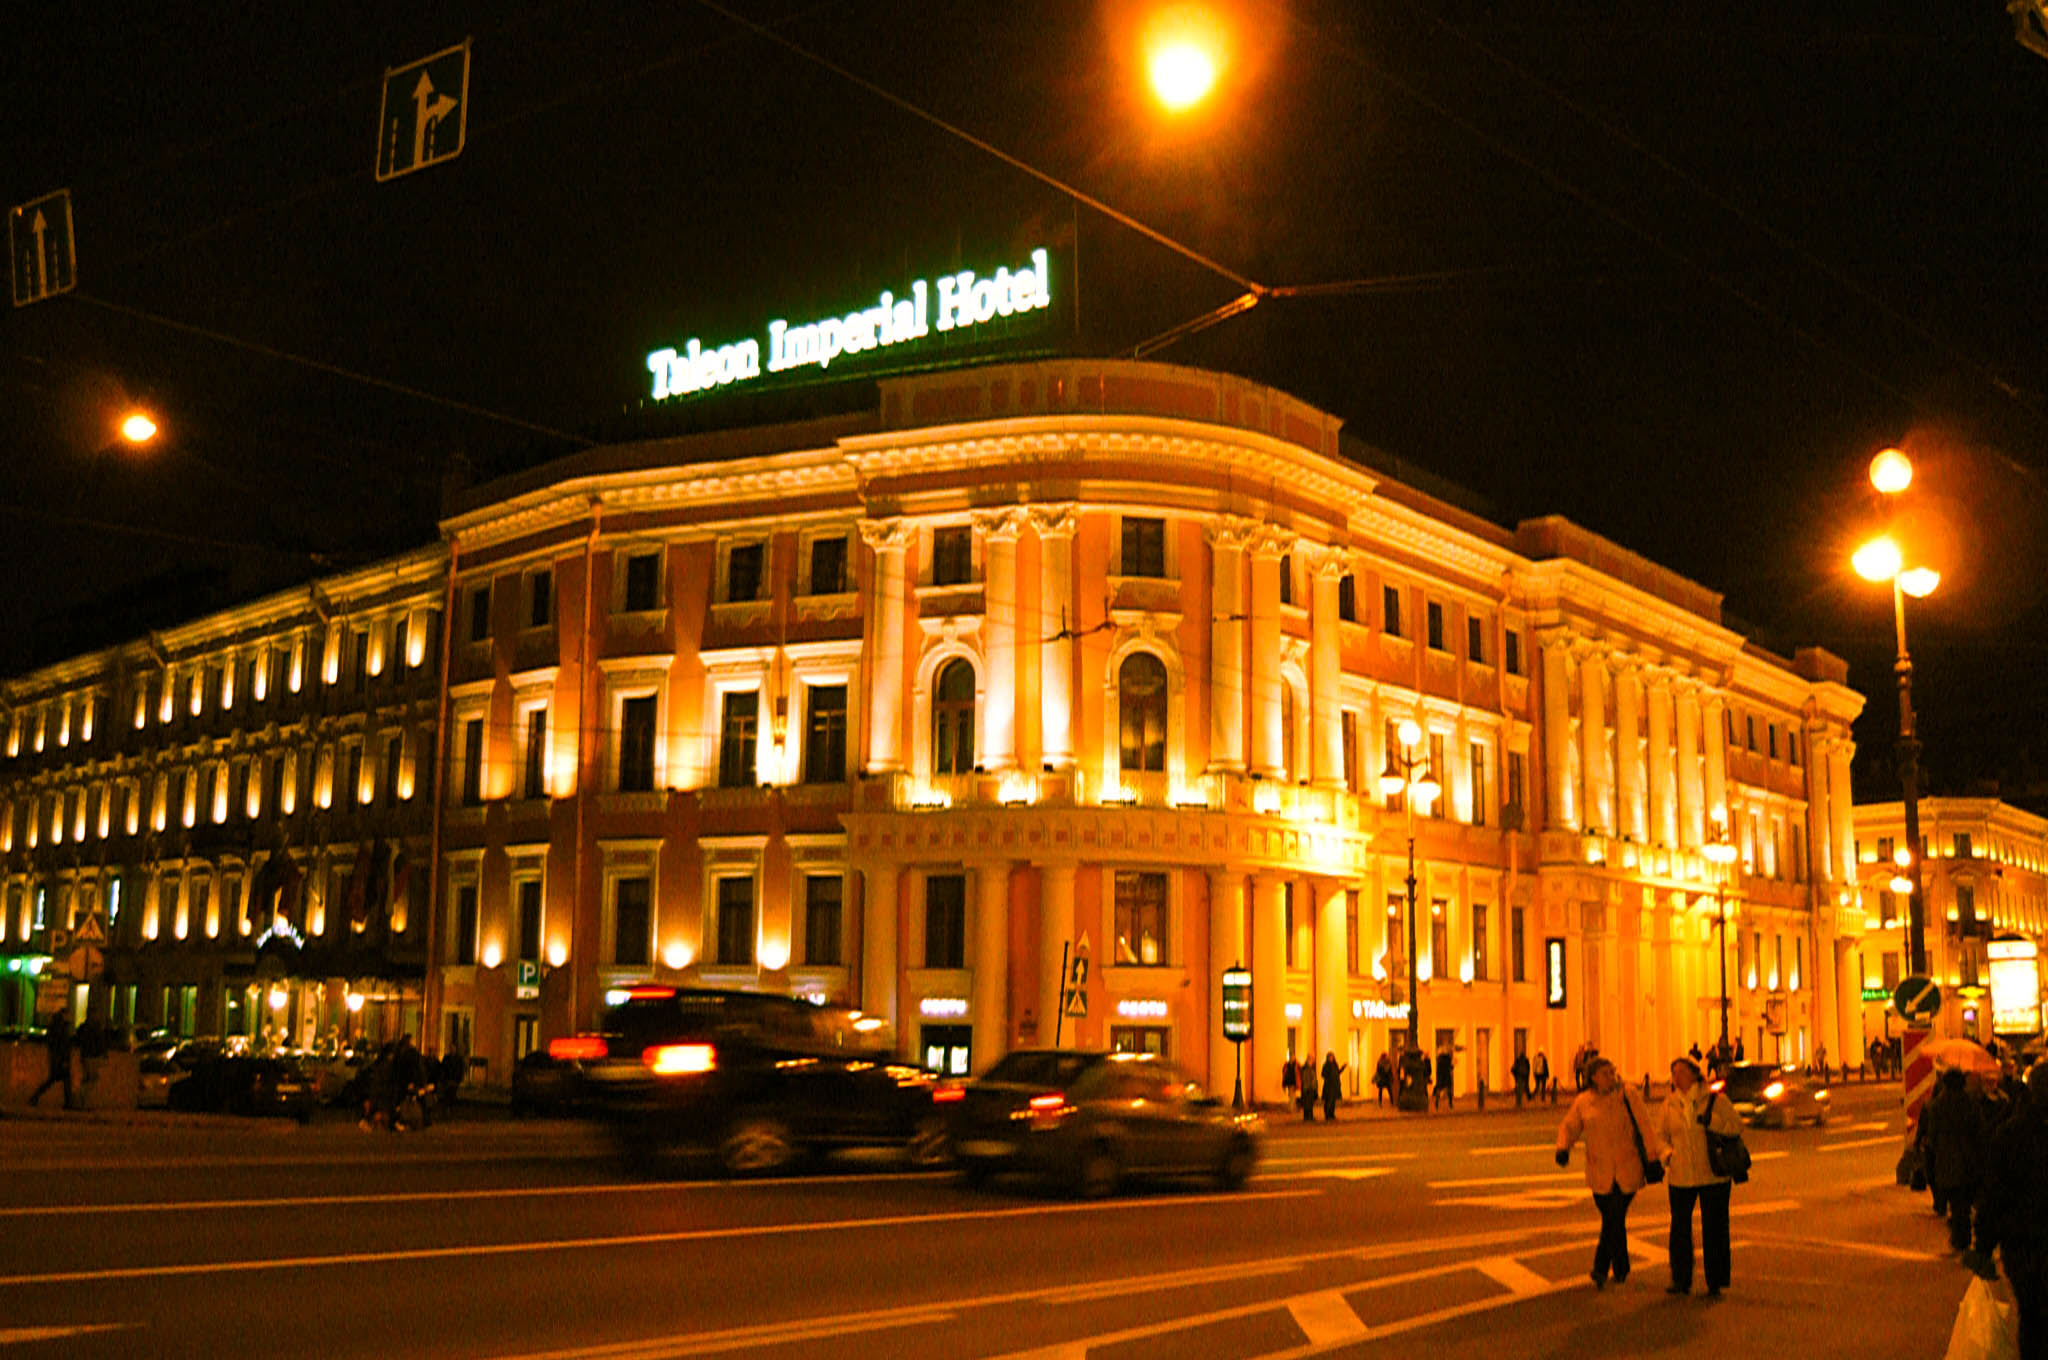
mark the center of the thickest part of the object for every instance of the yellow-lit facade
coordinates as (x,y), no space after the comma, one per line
(158,789)
(902,707)
(1985,883)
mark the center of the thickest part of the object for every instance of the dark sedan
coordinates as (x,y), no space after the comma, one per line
(245,1085)
(1088,1120)
(1765,1093)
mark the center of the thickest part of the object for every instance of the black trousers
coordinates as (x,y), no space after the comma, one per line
(1612,1253)
(1713,1202)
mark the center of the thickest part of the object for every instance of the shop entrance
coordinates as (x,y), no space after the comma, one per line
(946,1048)
(1141,1039)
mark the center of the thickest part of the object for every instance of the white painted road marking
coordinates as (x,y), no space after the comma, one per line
(1544,1178)
(1325,1318)
(1512,1275)
(1860,1143)
(1516,1147)
(480,1249)
(17,1336)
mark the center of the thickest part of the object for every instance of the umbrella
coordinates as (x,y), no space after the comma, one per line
(1964,1054)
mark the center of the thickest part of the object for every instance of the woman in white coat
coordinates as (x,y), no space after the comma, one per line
(1689,1111)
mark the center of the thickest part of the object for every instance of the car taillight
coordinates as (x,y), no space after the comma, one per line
(947,1094)
(576,1048)
(672,1060)
(1719,1085)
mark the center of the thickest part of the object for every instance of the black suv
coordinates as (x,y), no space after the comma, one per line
(760,1080)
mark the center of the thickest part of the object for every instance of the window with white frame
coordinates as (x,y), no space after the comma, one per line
(1141,919)
(1141,546)
(824,919)
(739,726)
(1141,712)
(734,927)
(825,720)
(462,920)
(953,718)
(533,749)
(632,920)
(746,572)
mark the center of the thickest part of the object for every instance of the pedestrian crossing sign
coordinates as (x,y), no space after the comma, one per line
(1074,1003)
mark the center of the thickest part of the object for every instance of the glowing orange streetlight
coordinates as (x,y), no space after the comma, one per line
(1183,57)
(137,427)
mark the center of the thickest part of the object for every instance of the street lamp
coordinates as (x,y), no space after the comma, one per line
(1720,851)
(1881,559)
(1408,773)
(1183,55)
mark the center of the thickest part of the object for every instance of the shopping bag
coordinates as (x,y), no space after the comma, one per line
(1987,1328)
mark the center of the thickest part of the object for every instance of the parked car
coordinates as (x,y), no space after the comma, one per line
(159,1072)
(1766,1093)
(545,1084)
(244,1085)
(1091,1119)
(760,1080)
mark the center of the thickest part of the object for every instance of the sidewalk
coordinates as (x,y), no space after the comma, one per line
(1365,1110)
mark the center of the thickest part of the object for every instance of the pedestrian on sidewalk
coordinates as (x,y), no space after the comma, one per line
(1290,1080)
(1333,1072)
(1308,1092)
(1541,1072)
(1519,1069)
(1383,1079)
(57,1039)
(1691,1111)
(1446,1067)
(1951,1139)
(2012,1209)
(1614,1169)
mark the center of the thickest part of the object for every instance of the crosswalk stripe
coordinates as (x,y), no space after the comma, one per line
(1512,1275)
(1325,1318)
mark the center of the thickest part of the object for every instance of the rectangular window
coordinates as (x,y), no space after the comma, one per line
(1771,731)
(359,660)
(394,756)
(643,579)
(945,921)
(822,916)
(737,729)
(1749,721)
(736,921)
(1511,652)
(952,555)
(540,598)
(1884,849)
(1887,907)
(1798,853)
(1960,844)
(1347,598)
(1480,963)
(535,771)
(1966,906)
(1512,814)
(828,566)
(1347,723)
(633,921)
(1390,611)
(1287,578)
(1798,961)
(1479,783)
(472,762)
(1518,968)
(1141,918)
(1352,943)
(480,613)
(636,744)
(1433,616)
(1475,639)
(1144,546)
(1440,940)
(526,925)
(825,735)
(1439,771)
(1891,971)
(1288,924)
(1792,745)
(1398,798)
(462,924)
(351,775)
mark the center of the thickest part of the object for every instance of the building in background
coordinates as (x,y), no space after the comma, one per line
(1094,657)
(1985,877)
(225,828)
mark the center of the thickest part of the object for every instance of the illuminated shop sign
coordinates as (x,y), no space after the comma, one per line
(1237,1004)
(1372,1008)
(948,303)
(1553,973)
(942,1007)
(2015,986)
(1133,1009)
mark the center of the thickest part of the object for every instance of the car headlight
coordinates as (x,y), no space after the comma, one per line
(1774,1090)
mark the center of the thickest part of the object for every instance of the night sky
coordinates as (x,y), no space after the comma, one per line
(1674,271)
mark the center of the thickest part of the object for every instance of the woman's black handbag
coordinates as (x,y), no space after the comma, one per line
(1653,1170)
(1727,1154)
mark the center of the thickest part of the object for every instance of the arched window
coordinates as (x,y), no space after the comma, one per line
(953,719)
(1141,703)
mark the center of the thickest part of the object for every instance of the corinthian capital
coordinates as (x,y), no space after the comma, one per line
(885,535)
(1001,523)
(1053,521)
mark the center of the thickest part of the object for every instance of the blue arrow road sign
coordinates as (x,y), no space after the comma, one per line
(425,115)
(39,235)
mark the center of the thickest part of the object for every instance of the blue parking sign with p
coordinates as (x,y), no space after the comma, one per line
(425,115)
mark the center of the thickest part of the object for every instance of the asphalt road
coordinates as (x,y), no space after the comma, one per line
(1455,1234)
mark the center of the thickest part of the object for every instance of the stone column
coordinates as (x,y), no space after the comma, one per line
(1593,759)
(1332,970)
(991,1008)
(1557,734)
(1055,526)
(1663,785)
(1267,751)
(889,597)
(1848,1001)
(1269,990)
(1226,947)
(999,606)
(1841,809)
(1822,981)
(1629,819)
(1691,816)
(878,947)
(1325,673)
(1227,676)
(1055,935)
(1715,735)
(1820,828)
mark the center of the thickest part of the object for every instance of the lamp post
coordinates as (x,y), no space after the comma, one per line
(1881,559)
(1408,773)
(1720,851)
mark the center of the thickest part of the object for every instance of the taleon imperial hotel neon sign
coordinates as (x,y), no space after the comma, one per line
(948,303)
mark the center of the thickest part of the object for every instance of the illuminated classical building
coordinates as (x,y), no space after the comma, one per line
(902,707)
(239,806)
(1985,880)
